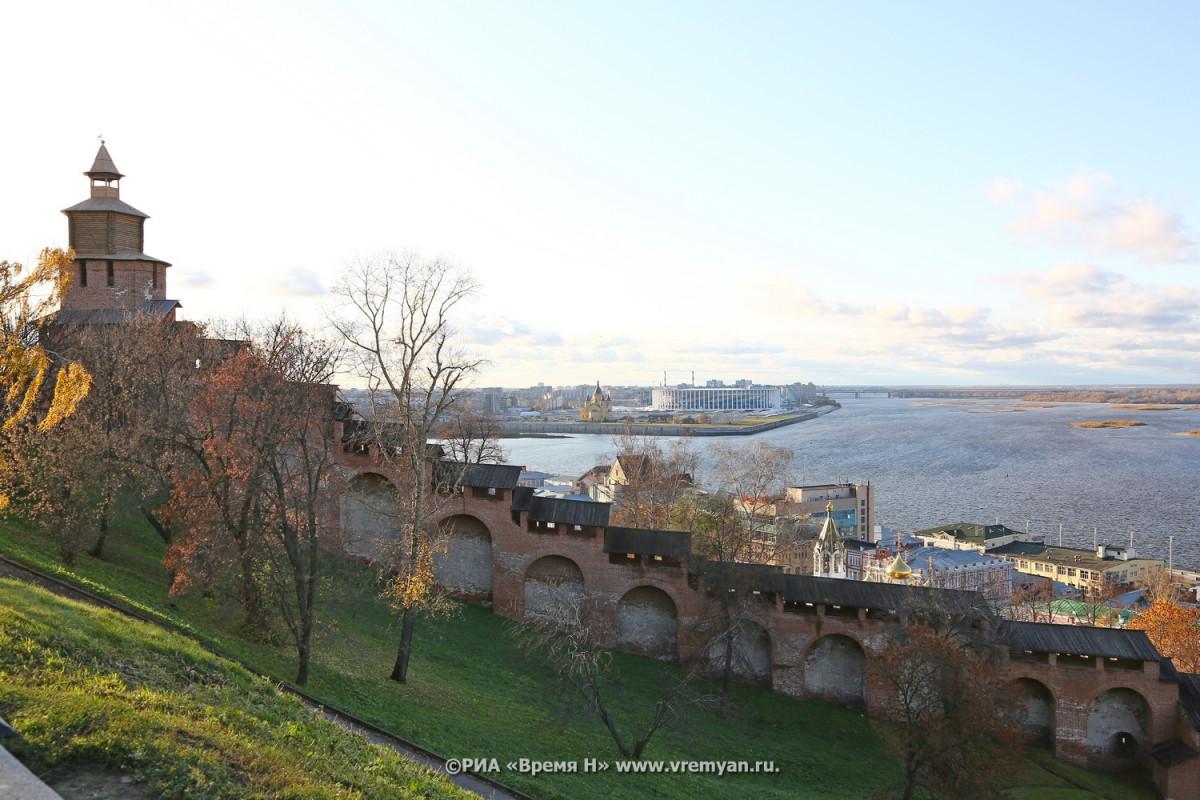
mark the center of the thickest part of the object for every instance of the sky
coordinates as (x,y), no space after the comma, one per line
(867,192)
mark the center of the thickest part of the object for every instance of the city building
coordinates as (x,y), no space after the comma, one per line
(1085,570)
(757,398)
(853,506)
(598,408)
(943,568)
(973,536)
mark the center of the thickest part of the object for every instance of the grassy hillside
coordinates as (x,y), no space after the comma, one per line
(474,694)
(90,689)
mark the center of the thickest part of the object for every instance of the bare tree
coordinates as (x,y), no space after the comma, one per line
(754,473)
(395,316)
(568,640)
(1030,602)
(648,481)
(299,515)
(1159,585)
(732,528)
(472,437)
(955,736)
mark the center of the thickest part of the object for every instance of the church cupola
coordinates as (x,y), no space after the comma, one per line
(829,555)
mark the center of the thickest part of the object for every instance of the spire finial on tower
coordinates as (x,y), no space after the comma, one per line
(103,168)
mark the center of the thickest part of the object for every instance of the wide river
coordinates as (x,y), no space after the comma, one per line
(934,463)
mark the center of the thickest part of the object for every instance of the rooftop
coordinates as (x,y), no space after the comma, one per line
(1066,556)
(1039,637)
(644,542)
(970,532)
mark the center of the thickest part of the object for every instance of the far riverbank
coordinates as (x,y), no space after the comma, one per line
(1023,465)
(536,428)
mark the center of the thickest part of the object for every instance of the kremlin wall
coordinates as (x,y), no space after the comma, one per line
(1098,697)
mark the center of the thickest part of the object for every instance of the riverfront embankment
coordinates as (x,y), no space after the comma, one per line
(539,427)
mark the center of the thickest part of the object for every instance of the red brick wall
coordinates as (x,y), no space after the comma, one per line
(794,635)
(132,285)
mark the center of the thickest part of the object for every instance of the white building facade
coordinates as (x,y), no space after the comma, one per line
(754,398)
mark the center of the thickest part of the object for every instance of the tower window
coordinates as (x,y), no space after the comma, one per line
(154,276)
(111,274)
(83,273)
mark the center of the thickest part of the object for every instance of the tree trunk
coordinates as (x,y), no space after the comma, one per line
(304,653)
(400,670)
(162,530)
(252,605)
(727,667)
(98,548)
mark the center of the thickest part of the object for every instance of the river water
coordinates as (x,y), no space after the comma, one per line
(934,463)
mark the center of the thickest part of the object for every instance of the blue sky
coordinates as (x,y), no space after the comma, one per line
(854,192)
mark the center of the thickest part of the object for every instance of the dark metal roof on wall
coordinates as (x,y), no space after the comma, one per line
(644,542)
(1081,640)
(837,591)
(1172,752)
(355,430)
(491,476)
(883,596)
(522,498)
(752,577)
(1189,697)
(568,512)
(481,476)
(113,316)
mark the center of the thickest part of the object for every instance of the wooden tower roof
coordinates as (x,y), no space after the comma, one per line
(103,168)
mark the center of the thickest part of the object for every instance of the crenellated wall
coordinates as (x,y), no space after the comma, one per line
(1099,710)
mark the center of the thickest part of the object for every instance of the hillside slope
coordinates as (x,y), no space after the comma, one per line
(91,690)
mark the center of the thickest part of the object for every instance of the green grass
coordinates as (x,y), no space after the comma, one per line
(474,694)
(1045,778)
(90,687)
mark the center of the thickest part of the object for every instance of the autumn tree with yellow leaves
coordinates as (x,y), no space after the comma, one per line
(1174,630)
(395,314)
(27,296)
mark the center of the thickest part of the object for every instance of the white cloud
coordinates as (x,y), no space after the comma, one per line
(1084,296)
(1087,211)
(295,282)
(196,279)
(1065,280)
(494,329)
(1001,189)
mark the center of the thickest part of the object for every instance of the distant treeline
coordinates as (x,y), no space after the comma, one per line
(1167,396)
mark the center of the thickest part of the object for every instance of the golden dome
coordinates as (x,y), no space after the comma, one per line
(898,570)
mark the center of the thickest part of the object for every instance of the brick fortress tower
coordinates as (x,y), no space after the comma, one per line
(112,279)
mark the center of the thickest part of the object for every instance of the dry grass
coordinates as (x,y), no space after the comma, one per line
(1110,423)
(1147,407)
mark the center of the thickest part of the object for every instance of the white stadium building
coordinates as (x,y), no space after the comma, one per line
(756,398)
